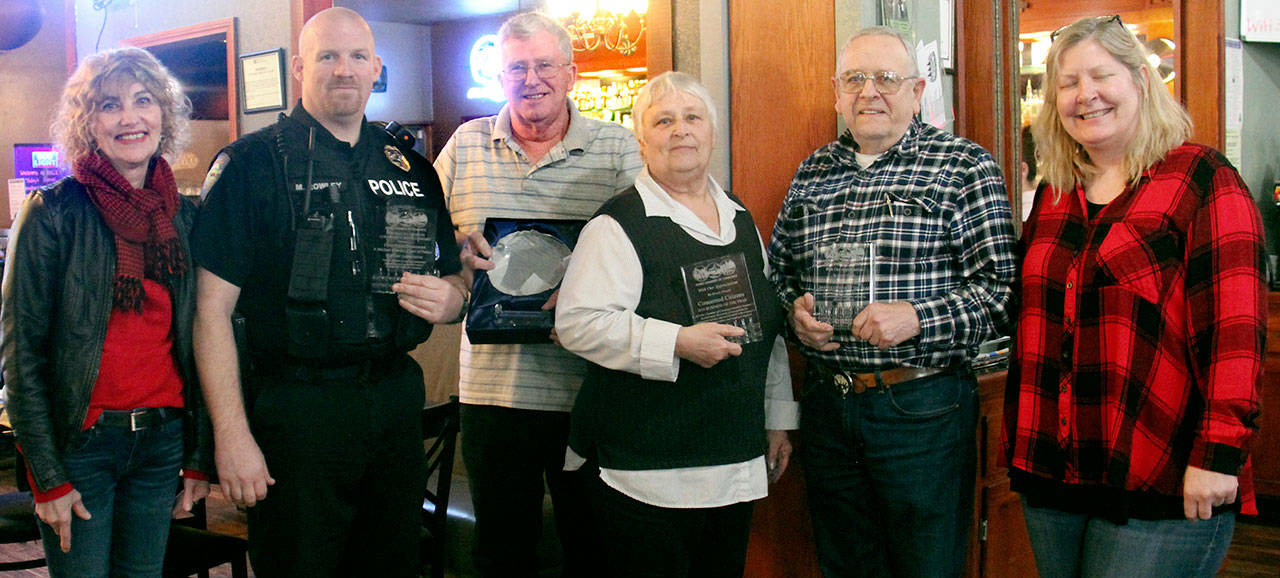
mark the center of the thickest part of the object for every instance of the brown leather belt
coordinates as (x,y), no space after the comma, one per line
(846,381)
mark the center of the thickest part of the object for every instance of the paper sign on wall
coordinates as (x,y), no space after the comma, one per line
(17,192)
(1260,20)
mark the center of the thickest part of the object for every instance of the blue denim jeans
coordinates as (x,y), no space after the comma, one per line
(1071,545)
(890,475)
(127,480)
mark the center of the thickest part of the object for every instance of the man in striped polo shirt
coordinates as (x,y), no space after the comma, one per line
(537,158)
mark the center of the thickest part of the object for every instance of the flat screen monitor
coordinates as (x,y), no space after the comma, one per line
(37,163)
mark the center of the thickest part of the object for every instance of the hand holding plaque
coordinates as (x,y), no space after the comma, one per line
(529,260)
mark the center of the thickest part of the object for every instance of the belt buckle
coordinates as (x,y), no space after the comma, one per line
(842,382)
(846,383)
(134,417)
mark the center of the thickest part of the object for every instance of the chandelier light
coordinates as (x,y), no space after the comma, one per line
(617,25)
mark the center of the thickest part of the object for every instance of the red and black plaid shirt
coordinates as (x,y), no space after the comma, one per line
(1141,333)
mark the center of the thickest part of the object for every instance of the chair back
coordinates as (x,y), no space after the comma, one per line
(18,514)
(440,425)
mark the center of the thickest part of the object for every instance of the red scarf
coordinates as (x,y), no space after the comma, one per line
(141,221)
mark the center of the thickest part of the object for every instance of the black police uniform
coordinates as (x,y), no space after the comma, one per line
(333,400)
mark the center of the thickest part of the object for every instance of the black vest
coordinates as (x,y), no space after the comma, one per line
(708,416)
(367,182)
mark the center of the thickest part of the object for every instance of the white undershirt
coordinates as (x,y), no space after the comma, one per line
(865,161)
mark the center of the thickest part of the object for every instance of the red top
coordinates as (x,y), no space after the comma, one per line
(1140,339)
(137,367)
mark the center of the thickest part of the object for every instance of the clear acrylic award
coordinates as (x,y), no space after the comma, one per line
(844,282)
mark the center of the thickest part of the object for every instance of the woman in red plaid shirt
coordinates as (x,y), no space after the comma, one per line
(1133,392)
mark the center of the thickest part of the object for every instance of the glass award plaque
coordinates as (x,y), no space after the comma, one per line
(844,282)
(528,262)
(719,291)
(406,243)
(530,257)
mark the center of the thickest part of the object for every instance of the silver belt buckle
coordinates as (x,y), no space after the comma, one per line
(133,420)
(842,382)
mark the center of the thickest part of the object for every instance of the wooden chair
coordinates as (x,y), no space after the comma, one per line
(440,424)
(18,512)
(193,549)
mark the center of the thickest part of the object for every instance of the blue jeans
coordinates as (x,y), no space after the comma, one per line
(1072,545)
(890,475)
(127,480)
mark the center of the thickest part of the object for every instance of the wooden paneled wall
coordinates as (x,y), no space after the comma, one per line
(781,59)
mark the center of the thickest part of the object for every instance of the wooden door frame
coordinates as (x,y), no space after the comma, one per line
(986,86)
(226,28)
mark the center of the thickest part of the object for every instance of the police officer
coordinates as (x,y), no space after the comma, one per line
(334,245)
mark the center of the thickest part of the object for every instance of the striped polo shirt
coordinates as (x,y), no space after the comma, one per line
(485,174)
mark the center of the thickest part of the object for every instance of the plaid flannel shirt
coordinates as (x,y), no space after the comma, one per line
(1141,334)
(935,205)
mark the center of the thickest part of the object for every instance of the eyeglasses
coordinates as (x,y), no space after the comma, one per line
(1100,21)
(887,82)
(519,71)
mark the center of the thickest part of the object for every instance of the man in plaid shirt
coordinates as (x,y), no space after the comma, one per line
(890,410)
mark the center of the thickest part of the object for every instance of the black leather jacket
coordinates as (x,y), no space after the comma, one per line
(57,298)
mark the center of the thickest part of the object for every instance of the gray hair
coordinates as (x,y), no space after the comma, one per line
(882,31)
(528,24)
(668,83)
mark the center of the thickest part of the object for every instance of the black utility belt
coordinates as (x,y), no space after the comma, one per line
(372,369)
(138,419)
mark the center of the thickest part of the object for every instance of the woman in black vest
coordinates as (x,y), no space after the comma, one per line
(685,407)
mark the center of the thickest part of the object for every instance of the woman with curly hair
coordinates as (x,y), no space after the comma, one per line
(95,326)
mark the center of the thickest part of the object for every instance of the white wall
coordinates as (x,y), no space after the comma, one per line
(406,52)
(260,25)
(1260,141)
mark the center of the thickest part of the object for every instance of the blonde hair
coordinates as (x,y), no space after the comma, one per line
(1162,123)
(82,97)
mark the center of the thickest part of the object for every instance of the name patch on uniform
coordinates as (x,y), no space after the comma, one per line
(396,157)
(395,188)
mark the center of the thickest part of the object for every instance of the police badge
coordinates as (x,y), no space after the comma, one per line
(396,157)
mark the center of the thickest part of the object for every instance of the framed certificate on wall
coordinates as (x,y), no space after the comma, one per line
(262,80)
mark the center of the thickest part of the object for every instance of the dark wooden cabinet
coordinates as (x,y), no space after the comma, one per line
(999,545)
(1266,443)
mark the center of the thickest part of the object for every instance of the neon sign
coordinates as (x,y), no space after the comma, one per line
(485,64)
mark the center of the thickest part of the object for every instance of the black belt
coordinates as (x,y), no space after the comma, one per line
(372,369)
(138,419)
(860,382)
